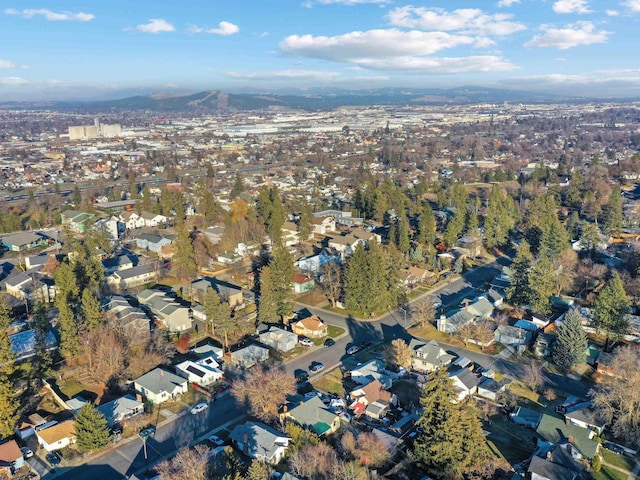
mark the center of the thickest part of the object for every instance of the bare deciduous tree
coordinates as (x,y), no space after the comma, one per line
(465,332)
(264,391)
(398,353)
(104,352)
(484,333)
(373,452)
(331,282)
(188,464)
(424,312)
(532,376)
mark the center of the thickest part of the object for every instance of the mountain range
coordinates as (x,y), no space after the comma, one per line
(214,101)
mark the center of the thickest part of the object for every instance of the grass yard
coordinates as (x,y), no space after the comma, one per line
(314,297)
(331,382)
(607,473)
(618,460)
(192,397)
(430,332)
(333,331)
(513,442)
(71,388)
(522,391)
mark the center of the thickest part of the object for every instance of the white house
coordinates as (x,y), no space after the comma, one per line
(465,382)
(159,385)
(56,436)
(199,373)
(323,225)
(260,441)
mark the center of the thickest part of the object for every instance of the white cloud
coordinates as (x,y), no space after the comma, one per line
(354,46)
(571,6)
(51,16)
(439,65)
(284,75)
(634,5)
(507,3)
(573,35)
(224,29)
(351,2)
(13,81)
(465,20)
(613,13)
(603,82)
(156,25)
(7,64)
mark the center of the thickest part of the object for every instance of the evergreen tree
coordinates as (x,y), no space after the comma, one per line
(426,226)
(42,363)
(451,442)
(66,284)
(497,220)
(92,429)
(218,313)
(455,227)
(258,470)
(305,224)
(7,357)
(267,306)
(92,314)
(542,281)
(8,408)
(355,280)
(571,344)
(614,220)
(519,292)
(610,307)
(69,340)
(184,260)
(590,236)
(402,234)
(573,225)
(77,197)
(472,224)
(207,204)
(282,272)
(269,206)
(238,187)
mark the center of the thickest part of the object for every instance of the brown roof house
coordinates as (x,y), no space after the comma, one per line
(311,327)
(10,458)
(57,436)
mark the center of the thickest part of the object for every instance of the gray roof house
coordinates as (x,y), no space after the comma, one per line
(260,441)
(508,335)
(160,385)
(480,309)
(154,243)
(428,356)
(279,339)
(134,322)
(23,344)
(121,409)
(133,277)
(171,314)
(313,414)
(250,355)
(21,241)
(465,382)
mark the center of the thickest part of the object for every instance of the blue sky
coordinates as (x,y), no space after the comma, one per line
(71,49)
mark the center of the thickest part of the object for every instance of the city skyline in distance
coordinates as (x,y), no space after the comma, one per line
(81,51)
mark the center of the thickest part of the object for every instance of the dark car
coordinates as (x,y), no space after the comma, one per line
(53,458)
(614,448)
(329,342)
(316,367)
(301,376)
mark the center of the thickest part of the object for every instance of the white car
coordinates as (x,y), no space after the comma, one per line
(307,342)
(353,349)
(199,407)
(216,440)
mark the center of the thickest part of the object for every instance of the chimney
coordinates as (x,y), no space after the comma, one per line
(566,421)
(549,455)
(570,439)
(285,408)
(466,305)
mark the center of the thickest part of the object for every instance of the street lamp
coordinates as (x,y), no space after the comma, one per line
(405,316)
(144,434)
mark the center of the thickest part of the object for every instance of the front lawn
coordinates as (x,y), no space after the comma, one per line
(71,388)
(509,440)
(607,473)
(333,331)
(330,382)
(618,460)
(430,332)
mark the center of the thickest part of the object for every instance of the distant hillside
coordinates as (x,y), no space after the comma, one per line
(216,101)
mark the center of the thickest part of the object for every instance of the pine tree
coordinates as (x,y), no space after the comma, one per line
(427,227)
(77,197)
(455,227)
(614,221)
(571,345)
(92,314)
(184,259)
(451,442)
(610,307)
(519,292)
(355,280)
(92,429)
(590,236)
(7,357)
(66,284)
(238,187)
(218,313)
(402,234)
(305,224)
(42,363)
(542,281)
(282,272)
(471,227)
(258,470)
(8,408)
(267,306)
(497,220)
(69,340)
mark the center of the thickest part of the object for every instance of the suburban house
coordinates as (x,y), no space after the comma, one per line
(249,356)
(323,225)
(30,286)
(260,442)
(371,399)
(117,263)
(313,414)
(153,219)
(75,220)
(133,277)
(36,261)
(372,370)
(465,382)
(414,276)
(23,344)
(171,314)
(480,309)
(303,283)
(214,233)
(556,464)
(22,241)
(202,374)
(113,227)
(311,327)
(132,320)
(513,336)
(153,243)
(279,339)
(226,291)
(56,436)
(489,388)
(543,346)
(131,220)
(208,351)
(429,356)
(526,417)
(554,430)
(159,385)
(121,409)
(584,415)
(344,244)
(11,458)
(313,264)
(290,234)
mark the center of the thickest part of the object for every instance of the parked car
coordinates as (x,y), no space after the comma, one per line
(53,458)
(353,349)
(116,430)
(307,342)
(316,367)
(614,448)
(26,452)
(329,342)
(199,407)
(215,440)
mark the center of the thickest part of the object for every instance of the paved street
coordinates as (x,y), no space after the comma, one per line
(129,457)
